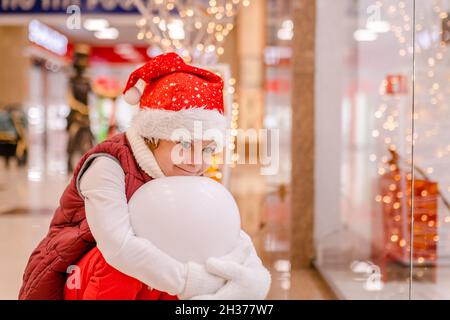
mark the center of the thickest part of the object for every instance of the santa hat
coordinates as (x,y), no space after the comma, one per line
(176,96)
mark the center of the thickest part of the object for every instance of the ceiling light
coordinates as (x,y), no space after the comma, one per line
(286,32)
(46,37)
(378,26)
(176,29)
(95,24)
(365,35)
(107,34)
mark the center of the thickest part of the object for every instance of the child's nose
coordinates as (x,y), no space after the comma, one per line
(194,158)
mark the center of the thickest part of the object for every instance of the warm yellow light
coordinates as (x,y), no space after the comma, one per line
(219,37)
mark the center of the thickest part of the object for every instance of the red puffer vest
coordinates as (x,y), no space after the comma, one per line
(69,237)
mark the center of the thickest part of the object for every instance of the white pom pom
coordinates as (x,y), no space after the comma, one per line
(132,96)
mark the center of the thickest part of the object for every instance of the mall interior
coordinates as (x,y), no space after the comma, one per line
(357,91)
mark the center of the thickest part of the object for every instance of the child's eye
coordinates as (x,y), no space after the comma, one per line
(185,144)
(209,150)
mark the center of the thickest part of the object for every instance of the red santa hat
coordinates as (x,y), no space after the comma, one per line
(176,96)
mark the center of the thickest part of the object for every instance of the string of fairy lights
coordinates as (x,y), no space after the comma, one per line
(229,90)
(431,98)
(214,170)
(196,29)
(234,123)
(434,56)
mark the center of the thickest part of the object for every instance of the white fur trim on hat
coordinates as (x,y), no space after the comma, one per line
(143,155)
(198,123)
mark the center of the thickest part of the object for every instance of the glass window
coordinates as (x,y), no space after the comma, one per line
(431,196)
(363,147)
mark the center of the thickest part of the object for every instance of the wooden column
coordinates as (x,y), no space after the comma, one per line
(302,206)
(251,42)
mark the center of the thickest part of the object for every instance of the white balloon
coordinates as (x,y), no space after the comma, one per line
(189,218)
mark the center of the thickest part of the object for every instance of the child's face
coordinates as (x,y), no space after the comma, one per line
(184,158)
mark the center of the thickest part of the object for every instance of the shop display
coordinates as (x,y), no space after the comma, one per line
(106,88)
(396,198)
(396,84)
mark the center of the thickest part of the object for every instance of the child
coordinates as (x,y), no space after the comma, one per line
(93,212)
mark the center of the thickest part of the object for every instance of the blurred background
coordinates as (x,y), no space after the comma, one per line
(357,91)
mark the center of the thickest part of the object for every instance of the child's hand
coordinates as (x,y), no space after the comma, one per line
(245,282)
(246,277)
(199,281)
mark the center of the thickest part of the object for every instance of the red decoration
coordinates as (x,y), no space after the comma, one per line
(278,86)
(396,192)
(106,87)
(396,84)
(109,54)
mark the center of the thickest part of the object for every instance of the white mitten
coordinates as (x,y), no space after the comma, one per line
(247,281)
(200,282)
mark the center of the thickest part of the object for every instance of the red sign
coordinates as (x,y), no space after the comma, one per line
(121,53)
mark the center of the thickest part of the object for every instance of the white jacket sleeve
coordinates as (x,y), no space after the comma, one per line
(103,187)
